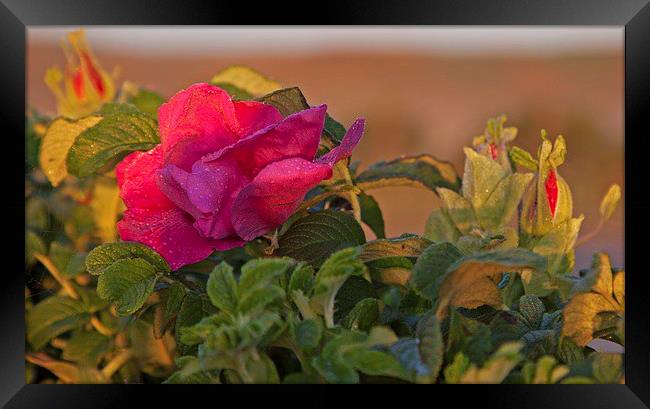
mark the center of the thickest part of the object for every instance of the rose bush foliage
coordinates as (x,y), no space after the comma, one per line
(216,237)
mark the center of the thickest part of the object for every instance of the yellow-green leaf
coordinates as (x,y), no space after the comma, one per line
(58,139)
(246,79)
(106,205)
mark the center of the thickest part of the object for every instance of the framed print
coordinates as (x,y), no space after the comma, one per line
(416,194)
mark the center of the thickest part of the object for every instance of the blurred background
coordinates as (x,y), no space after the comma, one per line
(422,90)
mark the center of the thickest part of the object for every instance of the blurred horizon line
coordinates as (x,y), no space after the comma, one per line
(453,41)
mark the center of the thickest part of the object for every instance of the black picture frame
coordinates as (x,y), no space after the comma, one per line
(634,15)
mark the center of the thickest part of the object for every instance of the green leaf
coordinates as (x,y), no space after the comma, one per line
(390,270)
(363,316)
(371,215)
(432,264)
(376,363)
(440,227)
(472,280)
(523,158)
(235,92)
(102,257)
(52,317)
(422,356)
(314,237)
(259,273)
(147,101)
(173,300)
(331,276)
(334,129)
(307,334)
(406,245)
(128,283)
(454,371)
(193,309)
(610,201)
(288,100)
(57,141)
(190,372)
(460,210)
(532,309)
(302,279)
(419,171)
(260,299)
(353,291)
(246,79)
(122,130)
(481,177)
(499,208)
(87,348)
(222,288)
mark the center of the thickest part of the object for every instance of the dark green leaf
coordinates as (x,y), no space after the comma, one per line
(222,288)
(307,334)
(87,348)
(128,283)
(314,237)
(102,257)
(122,130)
(147,101)
(421,171)
(363,316)
(371,215)
(287,100)
(432,264)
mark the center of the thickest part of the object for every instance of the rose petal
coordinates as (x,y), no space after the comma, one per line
(349,142)
(202,119)
(171,234)
(297,135)
(274,194)
(136,178)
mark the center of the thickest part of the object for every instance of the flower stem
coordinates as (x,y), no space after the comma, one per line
(63,282)
(116,363)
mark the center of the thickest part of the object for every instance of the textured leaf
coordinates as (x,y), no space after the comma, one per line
(122,130)
(532,309)
(499,208)
(391,270)
(191,373)
(260,299)
(246,79)
(432,264)
(314,237)
(422,356)
(420,171)
(302,279)
(331,276)
(354,290)
(128,283)
(523,158)
(601,291)
(222,288)
(102,257)
(363,316)
(259,273)
(407,245)
(57,141)
(472,280)
(52,317)
(481,177)
(371,215)
(193,309)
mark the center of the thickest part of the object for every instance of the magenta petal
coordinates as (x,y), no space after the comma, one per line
(253,116)
(171,234)
(136,178)
(173,182)
(274,194)
(196,121)
(349,142)
(297,135)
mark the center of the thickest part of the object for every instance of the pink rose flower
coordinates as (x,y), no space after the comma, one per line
(224,173)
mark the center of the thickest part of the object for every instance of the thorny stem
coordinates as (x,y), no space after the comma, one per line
(69,290)
(116,363)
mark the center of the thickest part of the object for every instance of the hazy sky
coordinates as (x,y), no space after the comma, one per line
(302,40)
